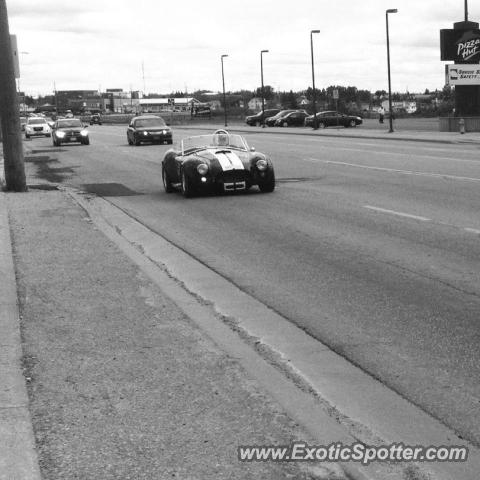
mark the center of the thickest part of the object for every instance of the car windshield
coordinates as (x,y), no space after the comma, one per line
(74,122)
(201,142)
(36,121)
(150,122)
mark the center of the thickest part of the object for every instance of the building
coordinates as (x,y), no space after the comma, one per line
(156,105)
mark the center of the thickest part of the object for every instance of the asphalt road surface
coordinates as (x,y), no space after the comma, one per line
(371,246)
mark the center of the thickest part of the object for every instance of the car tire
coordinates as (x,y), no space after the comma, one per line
(352,123)
(136,141)
(48,135)
(86,141)
(27,136)
(268,184)
(167,184)
(130,142)
(187,190)
(321,125)
(285,124)
(56,143)
(169,142)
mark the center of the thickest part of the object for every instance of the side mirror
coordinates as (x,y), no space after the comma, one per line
(252,149)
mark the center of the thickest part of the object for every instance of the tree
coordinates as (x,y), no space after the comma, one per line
(269,92)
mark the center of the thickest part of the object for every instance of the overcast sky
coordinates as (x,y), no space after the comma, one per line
(100,44)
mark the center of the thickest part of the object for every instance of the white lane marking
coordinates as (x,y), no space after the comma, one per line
(472,230)
(395,170)
(400,214)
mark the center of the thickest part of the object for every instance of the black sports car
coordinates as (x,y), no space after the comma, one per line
(148,128)
(221,162)
(333,119)
(69,130)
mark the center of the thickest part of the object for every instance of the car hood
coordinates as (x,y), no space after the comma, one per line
(224,159)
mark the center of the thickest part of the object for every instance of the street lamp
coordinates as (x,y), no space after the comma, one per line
(315,127)
(263,89)
(223,82)
(390,10)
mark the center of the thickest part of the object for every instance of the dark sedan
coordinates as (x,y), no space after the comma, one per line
(293,119)
(148,128)
(256,120)
(270,121)
(334,119)
(69,130)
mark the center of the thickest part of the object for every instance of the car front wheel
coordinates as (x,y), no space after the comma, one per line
(167,184)
(267,185)
(187,190)
(352,123)
(321,125)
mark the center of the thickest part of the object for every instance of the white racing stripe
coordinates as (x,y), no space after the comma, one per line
(229,160)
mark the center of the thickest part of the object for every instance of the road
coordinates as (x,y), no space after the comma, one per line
(371,246)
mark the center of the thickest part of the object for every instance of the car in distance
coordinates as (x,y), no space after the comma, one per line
(37,127)
(332,118)
(270,121)
(256,120)
(69,130)
(95,118)
(293,119)
(219,162)
(148,128)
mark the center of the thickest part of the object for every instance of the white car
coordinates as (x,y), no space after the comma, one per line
(37,127)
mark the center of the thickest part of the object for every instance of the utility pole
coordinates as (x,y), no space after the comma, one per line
(9,111)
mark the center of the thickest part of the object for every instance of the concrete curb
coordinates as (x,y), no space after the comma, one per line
(18,456)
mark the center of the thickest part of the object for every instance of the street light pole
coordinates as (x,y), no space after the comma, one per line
(224,99)
(263,89)
(390,10)
(315,127)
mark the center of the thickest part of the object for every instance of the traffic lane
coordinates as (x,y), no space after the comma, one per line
(387,303)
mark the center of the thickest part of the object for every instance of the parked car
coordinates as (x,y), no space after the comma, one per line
(69,130)
(333,119)
(95,118)
(293,119)
(148,128)
(221,162)
(270,121)
(37,127)
(256,120)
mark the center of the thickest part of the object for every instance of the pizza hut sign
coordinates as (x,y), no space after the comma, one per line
(467,48)
(460,46)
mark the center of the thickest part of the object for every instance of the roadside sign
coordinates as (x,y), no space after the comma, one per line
(16,63)
(335,94)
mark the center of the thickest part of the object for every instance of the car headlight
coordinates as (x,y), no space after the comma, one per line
(261,165)
(202,168)
(60,134)
(145,133)
(84,133)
